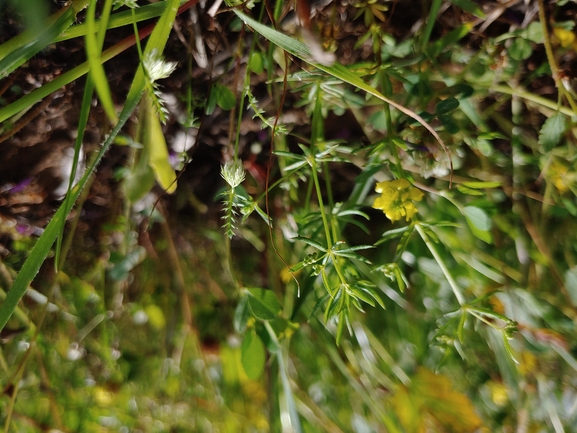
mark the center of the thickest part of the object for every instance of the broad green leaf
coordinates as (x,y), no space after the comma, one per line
(264,304)
(155,144)
(222,96)
(479,222)
(256,62)
(252,355)
(552,131)
(520,49)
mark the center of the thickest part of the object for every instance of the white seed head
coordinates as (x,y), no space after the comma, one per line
(233,173)
(156,67)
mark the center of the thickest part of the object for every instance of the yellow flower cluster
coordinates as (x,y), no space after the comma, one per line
(561,177)
(397,199)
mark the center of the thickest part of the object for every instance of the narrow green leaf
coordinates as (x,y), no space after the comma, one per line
(311,242)
(482,185)
(461,327)
(155,144)
(469,191)
(264,304)
(355,248)
(403,242)
(252,355)
(42,247)
(23,47)
(508,348)
(241,314)
(552,131)
(93,51)
(337,70)
(392,234)
(352,255)
(119,19)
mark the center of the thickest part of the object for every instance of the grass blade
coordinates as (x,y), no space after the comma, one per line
(339,71)
(38,254)
(93,52)
(20,49)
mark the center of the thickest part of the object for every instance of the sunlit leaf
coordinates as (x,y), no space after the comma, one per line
(252,355)
(479,223)
(155,144)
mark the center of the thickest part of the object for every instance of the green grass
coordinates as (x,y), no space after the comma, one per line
(418,274)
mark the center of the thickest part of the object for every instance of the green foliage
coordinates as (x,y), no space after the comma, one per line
(412,227)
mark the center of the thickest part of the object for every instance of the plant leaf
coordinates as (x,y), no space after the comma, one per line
(155,144)
(264,304)
(252,355)
(552,131)
(337,70)
(479,223)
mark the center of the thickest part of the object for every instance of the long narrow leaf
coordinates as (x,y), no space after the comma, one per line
(38,254)
(93,52)
(20,49)
(119,19)
(300,50)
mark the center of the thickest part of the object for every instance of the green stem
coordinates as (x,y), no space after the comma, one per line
(441,263)
(551,58)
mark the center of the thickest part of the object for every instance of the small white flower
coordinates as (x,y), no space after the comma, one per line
(156,67)
(233,173)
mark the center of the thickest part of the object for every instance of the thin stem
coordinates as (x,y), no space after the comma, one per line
(551,58)
(441,263)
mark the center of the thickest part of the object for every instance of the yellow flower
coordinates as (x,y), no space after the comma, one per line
(397,199)
(561,177)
